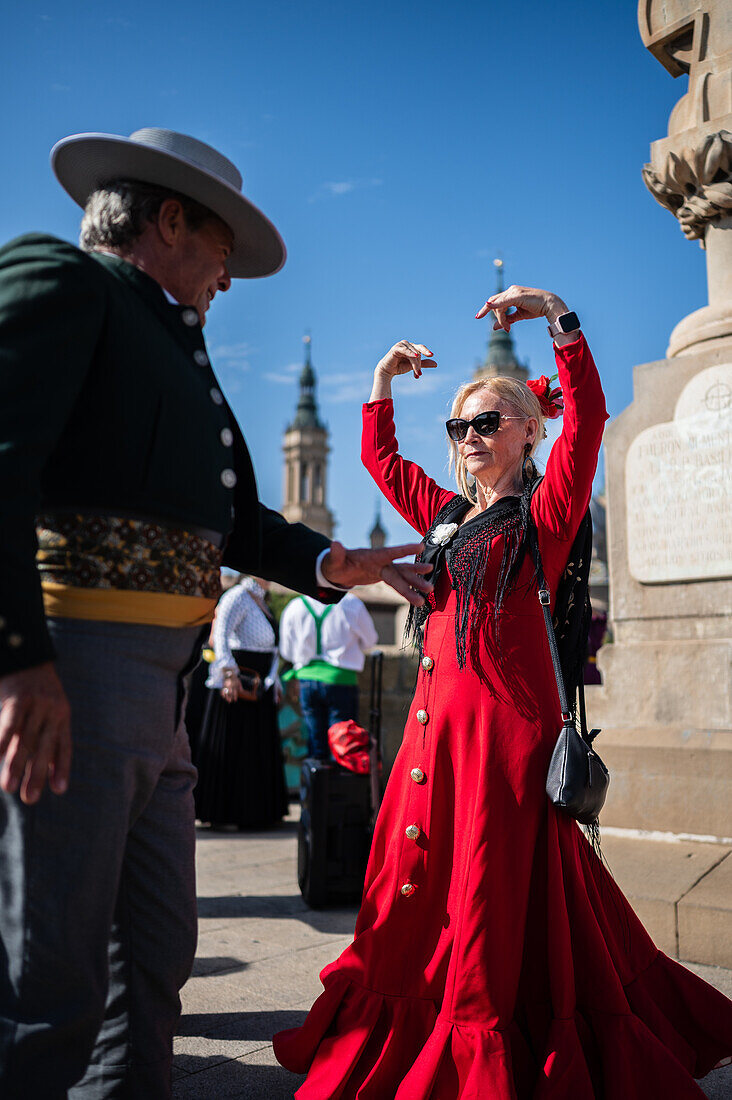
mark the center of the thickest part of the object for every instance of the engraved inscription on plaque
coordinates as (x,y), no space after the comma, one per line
(678,479)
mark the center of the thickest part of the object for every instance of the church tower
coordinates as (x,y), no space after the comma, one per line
(377,534)
(501,355)
(306,451)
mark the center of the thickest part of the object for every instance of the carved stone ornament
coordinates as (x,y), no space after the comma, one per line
(695,184)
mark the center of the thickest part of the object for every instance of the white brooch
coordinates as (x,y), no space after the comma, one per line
(443,533)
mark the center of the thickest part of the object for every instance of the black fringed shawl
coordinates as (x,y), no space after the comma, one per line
(466,555)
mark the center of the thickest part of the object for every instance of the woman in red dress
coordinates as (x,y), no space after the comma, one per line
(494,957)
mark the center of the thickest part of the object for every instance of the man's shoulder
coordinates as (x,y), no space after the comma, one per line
(43,246)
(351,602)
(36,253)
(293,609)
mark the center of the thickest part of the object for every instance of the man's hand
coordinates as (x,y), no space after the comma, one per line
(35,732)
(348,567)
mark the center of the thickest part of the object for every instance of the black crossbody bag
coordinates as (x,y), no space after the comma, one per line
(577,780)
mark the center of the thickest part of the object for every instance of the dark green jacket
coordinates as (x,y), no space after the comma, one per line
(108,403)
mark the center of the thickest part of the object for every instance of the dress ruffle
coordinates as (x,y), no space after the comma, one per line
(356,1043)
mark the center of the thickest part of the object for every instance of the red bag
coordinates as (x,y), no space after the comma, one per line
(349,744)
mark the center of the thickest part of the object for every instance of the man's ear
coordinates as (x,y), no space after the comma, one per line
(170,221)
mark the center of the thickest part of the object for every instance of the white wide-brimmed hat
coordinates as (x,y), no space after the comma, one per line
(84,162)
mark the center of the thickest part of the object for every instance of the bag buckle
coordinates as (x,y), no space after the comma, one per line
(544,597)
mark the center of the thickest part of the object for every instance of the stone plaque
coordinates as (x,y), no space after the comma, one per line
(678,480)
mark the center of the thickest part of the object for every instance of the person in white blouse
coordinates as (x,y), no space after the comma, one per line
(239,756)
(326,644)
(243,621)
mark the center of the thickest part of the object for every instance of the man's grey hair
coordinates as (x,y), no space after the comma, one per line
(117,213)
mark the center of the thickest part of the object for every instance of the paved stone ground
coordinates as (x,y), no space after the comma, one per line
(259,954)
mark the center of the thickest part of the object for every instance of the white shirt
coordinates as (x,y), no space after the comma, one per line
(240,623)
(347,631)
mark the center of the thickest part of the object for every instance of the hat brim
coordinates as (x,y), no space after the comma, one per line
(84,162)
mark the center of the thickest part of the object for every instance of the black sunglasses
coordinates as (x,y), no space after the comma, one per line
(485,423)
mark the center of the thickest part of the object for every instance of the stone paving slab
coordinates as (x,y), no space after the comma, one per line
(260,952)
(659,877)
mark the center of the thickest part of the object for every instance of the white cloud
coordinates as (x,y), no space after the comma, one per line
(285,376)
(334,189)
(347,386)
(355,385)
(232,357)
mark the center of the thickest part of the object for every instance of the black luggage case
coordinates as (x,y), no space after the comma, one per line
(334,835)
(337,810)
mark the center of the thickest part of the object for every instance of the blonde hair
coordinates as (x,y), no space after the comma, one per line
(514,393)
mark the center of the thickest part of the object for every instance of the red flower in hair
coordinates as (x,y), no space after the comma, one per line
(550,399)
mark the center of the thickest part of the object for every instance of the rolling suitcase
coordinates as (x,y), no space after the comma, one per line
(337,811)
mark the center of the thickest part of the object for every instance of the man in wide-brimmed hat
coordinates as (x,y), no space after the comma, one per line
(125,484)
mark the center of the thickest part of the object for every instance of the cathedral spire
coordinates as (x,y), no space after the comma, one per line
(306,449)
(306,415)
(501,354)
(377,534)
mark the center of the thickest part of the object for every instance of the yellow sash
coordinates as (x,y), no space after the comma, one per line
(123,606)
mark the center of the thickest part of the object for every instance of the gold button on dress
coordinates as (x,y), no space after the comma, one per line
(428,664)
(413,832)
(408,889)
(417,775)
(422,717)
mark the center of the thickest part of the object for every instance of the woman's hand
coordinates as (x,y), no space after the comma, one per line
(232,687)
(527,303)
(400,359)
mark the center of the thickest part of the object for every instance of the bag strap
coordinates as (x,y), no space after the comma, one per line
(318,625)
(545,601)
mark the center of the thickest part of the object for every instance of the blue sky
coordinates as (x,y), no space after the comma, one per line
(398,147)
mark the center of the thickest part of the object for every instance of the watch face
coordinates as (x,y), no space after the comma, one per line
(568,322)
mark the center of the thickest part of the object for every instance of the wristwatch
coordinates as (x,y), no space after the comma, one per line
(567,322)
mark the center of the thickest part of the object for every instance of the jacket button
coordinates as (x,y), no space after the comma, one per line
(216,396)
(189,317)
(413,832)
(227,437)
(228,477)
(200,357)
(417,775)
(408,889)
(428,664)
(422,717)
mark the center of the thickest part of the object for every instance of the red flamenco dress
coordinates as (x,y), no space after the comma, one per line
(494,957)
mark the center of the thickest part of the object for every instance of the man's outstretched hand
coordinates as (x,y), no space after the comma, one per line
(349,567)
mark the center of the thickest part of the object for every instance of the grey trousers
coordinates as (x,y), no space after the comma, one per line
(97,886)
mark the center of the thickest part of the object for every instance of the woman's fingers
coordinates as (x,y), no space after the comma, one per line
(504,319)
(411,357)
(526,300)
(404,357)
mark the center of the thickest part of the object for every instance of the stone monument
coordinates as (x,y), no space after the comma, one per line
(666,700)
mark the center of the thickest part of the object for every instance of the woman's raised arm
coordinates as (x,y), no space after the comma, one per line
(404,484)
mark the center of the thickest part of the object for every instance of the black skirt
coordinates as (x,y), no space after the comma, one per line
(241,777)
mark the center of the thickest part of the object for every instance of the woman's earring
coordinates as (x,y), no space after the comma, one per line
(528,469)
